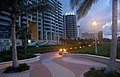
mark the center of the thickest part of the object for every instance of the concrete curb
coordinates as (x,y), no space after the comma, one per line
(9,63)
(101,59)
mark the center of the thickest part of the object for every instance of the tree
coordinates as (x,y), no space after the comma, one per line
(23,33)
(111,65)
(83,8)
(16,8)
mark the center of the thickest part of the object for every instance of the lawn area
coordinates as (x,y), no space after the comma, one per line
(103,50)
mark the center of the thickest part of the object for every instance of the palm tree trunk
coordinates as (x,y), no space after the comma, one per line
(43,37)
(14,50)
(26,39)
(111,65)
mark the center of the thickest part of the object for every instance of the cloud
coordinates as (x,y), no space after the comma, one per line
(100,12)
(107,29)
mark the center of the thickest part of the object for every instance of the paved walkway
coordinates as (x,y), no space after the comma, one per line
(56,69)
(84,62)
(54,65)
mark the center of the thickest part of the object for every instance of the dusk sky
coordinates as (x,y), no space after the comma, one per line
(101,12)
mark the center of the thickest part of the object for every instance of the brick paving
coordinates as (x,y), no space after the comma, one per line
(76,68)
(40,70)
(53,65)
(57,70)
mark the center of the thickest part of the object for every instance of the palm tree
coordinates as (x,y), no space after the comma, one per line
(16,8)
(83,8)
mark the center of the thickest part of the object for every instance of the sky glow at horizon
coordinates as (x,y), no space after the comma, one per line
(101,12)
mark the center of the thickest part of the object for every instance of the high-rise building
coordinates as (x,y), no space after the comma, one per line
(70,27)
(4,24)
(52,23)
(44,26)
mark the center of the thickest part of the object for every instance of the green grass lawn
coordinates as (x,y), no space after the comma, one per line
(103,50)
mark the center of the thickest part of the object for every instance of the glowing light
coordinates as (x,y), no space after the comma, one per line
(70,13)
(29,41)
(75,47)
(64,50)
(60,50)
(70,48)
(89,45)
(80,47)
(94,23)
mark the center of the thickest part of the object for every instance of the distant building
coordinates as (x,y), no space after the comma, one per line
(100,35)
(79,32)
(87,35)
(70,27)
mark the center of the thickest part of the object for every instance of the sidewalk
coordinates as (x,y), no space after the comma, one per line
(53,65)
(39,70)
(57,70)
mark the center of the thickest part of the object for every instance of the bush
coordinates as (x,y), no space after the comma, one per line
(7,55)
(20,68)
(100,73)
(94,73)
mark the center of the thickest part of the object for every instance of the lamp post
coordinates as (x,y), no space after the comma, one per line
(95,34)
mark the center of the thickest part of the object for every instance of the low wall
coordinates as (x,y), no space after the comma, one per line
(101,59)
(9,63)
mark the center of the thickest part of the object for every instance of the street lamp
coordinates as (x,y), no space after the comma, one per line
(95,25)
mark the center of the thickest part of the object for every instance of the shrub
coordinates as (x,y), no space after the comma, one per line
(100,73)
(94,73)
(7,55)
(20,68)
(23,67)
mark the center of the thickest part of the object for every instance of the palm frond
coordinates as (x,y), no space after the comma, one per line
(82,6)
(4,4)
(41,6)
(74,3)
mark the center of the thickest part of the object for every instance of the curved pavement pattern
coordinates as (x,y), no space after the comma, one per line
(89,63)
(53,65)
(56,69)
